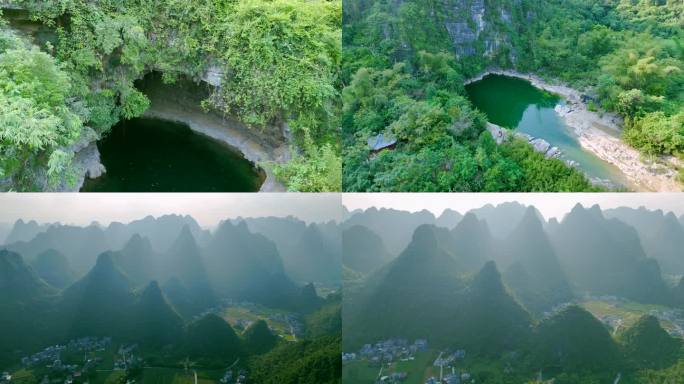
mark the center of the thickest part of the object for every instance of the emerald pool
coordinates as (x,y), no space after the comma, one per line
(516,104)
(150,155)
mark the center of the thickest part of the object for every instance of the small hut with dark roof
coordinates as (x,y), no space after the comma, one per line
(381,142)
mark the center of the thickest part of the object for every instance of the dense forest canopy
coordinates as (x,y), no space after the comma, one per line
(36,116)
(278,60)
(405,62)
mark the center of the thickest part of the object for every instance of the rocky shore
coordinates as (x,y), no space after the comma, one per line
(181,103)
(599,133)
(87,158)
(229,132)
(500,134)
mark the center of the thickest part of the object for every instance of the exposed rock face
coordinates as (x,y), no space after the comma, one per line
(500,134)
(181,102)
(478,28)
(540,145)
(92,166)
(465,32)
(213,76)
(471,28)
(86,160)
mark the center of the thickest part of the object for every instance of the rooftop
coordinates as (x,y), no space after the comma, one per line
(381,141)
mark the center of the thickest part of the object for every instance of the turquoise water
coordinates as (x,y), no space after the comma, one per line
(515,103)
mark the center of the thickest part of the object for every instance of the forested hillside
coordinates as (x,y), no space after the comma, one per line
(581,300)
(273,64)
(405,63)
(172,289)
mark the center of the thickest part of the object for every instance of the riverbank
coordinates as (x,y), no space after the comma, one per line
(170,102)
(87,157)
(223,130)
(599,133)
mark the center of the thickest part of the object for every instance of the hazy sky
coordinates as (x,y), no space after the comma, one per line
(207,208)
(550,204)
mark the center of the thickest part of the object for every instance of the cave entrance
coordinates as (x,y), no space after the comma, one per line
(155,155)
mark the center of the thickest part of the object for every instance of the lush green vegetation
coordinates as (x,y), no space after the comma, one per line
(279,63)
(316,359)
(403,72)
(631,53)
(36,119)
(443,144)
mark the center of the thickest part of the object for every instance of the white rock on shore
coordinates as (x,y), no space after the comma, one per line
(87,162)
(500,134)
(540,145)
(231,133)
(600,133)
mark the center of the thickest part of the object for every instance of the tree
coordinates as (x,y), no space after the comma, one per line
(36,118)
(656,133)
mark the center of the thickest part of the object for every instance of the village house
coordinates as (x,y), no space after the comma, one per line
(49,354)
(242,377)
(348,356)
(390,350)
(89,344)
(421,345)
(5,378)
(227,377)
(381,142)
(452,378)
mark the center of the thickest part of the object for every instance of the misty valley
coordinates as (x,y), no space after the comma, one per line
(504,295)
(164,300)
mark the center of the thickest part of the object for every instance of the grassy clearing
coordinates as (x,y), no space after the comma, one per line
(628,311)
(359,372)
(363,372)
(179,376)
(233,314)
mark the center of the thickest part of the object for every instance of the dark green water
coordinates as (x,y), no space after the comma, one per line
(515,103)
(147,155)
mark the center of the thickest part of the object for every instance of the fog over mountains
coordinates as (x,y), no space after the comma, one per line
(659,233)
(310,252)
(307,252)
(503,281)
(396,227)
(153,279)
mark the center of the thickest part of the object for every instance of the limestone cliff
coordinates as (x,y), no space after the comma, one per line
(193,85)
(471,29)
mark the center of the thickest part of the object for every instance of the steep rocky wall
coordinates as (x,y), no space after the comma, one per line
(270,144)
(474,30)
(487,28)
(181,102)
